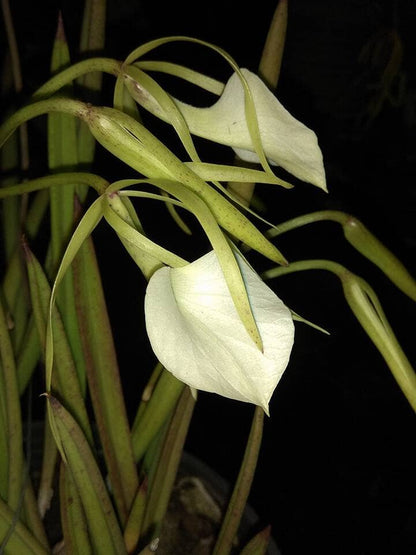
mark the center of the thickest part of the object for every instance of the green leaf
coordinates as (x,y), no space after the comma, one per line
(103,527)
(73,518)
(104,379)
(258,544)
(21,540)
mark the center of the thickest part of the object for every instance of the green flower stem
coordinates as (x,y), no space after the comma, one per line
(102,65)
(65,105)
(367,309)
(147,393)
(21,540)
(10,404)
(242,487)
(167,465)
(361,239)
(58,179)
(159,407)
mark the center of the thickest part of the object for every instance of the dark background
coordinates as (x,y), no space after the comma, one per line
(337,468)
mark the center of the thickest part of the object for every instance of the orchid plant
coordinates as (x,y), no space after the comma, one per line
(213,323)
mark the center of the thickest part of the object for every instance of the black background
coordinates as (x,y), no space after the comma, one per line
(337,467)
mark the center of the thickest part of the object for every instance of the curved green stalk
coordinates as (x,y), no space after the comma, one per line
(159,407)
(167,465)
(361,239)
(54,180)
(242,487)
(368,311)
(67,76)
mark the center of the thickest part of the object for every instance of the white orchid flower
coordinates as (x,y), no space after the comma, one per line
(196,333)
(286,141)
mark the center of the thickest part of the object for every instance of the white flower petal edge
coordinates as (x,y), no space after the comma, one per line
(286,141)
(195,331)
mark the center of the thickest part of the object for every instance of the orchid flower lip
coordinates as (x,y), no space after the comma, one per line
(196,333)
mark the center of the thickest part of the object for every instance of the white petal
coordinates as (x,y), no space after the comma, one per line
(195,331)
(286,141)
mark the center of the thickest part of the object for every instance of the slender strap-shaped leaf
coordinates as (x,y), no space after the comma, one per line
(258,544)
(62,153)
(73,520)
(92,40)
(104,379)
(48,470)
(21,540)
(93,34)
(147,392)
(272,55)
(167,465)
(242,487)
(105,533)
(10,405)
(159,407)
(28,356)
(133,528)
(85,227)
(32,518)
(4,455)
(66,382)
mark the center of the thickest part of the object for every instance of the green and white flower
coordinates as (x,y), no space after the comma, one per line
(285,140)
(196,333)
